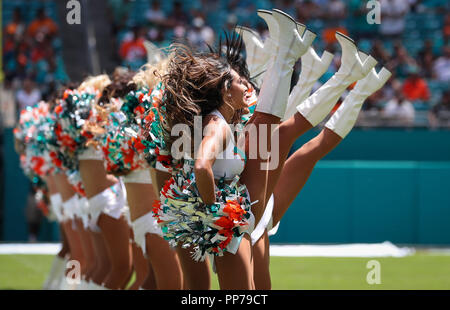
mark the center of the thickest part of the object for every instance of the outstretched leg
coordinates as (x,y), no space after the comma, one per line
(302,162)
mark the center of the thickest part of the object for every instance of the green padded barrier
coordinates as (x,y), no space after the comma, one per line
(389,144)
(371,201)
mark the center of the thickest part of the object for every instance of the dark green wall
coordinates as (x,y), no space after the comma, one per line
(379,185)
(16,188)
(390,144)
(371,201)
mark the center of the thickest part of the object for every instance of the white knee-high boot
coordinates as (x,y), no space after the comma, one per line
(56,271)
(270,43)
(277,80)
(256,56)
(318,105)
(343,120)
(313,67)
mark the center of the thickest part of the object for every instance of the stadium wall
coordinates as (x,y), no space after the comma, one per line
(377,185)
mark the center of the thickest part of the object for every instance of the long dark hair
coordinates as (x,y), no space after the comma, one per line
(194,85)
(121,84)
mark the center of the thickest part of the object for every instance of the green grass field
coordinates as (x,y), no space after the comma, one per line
(420,271)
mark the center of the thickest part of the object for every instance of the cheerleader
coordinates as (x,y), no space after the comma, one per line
(105,204)
(188,206)
(123,122)
(57,270)
(31,145)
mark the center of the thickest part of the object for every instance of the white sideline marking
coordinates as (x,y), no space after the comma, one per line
(385,249)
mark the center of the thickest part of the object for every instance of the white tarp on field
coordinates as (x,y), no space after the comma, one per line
(385,249)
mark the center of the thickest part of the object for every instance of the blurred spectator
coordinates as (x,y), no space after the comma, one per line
(414,87)
(336,10)
(118,12)
(241,5)
(286,6)
(16,28)
(178,17)
(207,7)
(401,61)
(42,49)
(426,58)
(329,34)
(157,20)
(388,91)
(307,10)
(370,112)
(28,95)
(232,22)
(379,52)
(439,115)
(33,215)
(155,15)
(393,14)
(200,35)
(42,25)
(446,28)
(9,48)
(441,67)
(8,109)
(371,104)
(360,28)
(133,52)
(399,111)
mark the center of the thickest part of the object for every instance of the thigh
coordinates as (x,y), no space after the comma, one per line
(235,271)
(116,234)
(165,263)
(197,275)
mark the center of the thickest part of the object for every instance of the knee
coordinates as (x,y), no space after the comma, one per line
(103,267)
(122,266)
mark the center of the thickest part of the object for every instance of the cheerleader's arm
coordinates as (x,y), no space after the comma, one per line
(215,137)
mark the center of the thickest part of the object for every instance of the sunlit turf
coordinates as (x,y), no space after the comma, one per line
(420,271)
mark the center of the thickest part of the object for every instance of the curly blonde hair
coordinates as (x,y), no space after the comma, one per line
(149,75)
(98,82)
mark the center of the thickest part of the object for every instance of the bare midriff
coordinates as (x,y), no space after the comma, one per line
(140,198)
(94,177)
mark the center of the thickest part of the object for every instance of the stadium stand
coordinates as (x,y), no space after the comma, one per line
(424,21)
